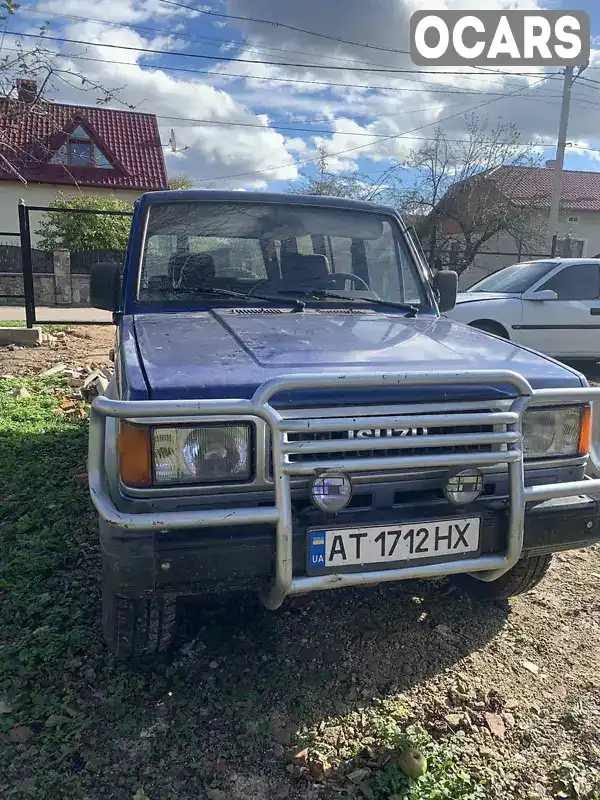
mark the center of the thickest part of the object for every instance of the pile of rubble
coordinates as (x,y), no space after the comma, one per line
(86,382)
(58,339)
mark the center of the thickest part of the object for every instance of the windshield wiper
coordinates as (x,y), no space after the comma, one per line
(297,304)
(320,294)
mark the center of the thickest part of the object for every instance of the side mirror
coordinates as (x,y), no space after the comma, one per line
(446,283)
(543,294)
(105,286)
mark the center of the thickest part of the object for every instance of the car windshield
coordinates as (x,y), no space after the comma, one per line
(197,252)
(517,278)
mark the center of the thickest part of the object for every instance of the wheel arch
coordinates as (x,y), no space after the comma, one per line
(490,326)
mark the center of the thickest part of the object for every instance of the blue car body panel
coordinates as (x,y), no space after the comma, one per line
(212,354)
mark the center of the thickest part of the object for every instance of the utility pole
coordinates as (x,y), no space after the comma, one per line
(560,158)
(560,154)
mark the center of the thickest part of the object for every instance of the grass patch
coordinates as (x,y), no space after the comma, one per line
(75,723)
(366,747)
(17,323)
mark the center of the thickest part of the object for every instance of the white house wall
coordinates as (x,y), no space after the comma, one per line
(586,228)
(42,195)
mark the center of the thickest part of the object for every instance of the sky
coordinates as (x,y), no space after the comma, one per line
(289,102)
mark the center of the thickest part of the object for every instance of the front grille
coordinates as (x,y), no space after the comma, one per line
(413,429)
(329,436)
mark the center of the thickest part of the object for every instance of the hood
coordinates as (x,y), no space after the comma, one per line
(221,353)
(472,297)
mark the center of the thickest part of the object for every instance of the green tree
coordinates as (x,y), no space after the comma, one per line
(181,182)
(61,230)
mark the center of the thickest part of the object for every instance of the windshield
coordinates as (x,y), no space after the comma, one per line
(517,278)
(194,251)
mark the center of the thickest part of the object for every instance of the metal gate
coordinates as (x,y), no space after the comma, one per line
(26,251)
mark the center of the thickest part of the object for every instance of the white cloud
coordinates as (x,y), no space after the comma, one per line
(411,101)
(125,11)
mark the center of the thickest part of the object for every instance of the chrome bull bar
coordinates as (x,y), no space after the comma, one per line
(487,568)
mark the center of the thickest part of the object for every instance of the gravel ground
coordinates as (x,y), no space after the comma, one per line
(313,702)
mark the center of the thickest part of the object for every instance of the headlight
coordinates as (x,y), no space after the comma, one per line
(553,431)
(206,454)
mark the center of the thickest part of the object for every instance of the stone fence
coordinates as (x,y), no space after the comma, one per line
(63,286)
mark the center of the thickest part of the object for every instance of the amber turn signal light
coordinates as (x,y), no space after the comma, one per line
(585,432)
(135,459)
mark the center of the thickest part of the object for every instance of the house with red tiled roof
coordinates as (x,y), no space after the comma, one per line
(47,148)
(529,190)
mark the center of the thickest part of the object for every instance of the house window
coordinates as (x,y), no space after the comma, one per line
(80,151)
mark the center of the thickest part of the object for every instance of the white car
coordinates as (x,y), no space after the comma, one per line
(551,305)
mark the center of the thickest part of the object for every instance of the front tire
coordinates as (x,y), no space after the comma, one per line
(140,627)
(523,577)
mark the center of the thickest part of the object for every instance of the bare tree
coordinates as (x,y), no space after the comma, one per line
(350,185)
(455,204)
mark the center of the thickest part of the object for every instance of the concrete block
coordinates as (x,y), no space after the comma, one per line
(26,336)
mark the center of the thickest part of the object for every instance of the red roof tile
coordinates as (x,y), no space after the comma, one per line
(532,187)
(29,137)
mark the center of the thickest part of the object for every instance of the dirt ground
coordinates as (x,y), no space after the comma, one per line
(508,691)
(83,344)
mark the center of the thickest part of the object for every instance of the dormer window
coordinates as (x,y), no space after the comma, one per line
(80,151)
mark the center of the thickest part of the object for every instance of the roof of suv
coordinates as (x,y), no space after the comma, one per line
(229,196)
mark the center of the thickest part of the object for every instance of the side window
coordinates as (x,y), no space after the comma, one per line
(391,276)
(578,282)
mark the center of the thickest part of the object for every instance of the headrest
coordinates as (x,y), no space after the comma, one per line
(192,269)
(304,269)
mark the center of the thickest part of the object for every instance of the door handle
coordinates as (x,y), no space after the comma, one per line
(595,312)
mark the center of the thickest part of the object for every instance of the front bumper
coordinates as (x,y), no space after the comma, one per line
(243,557)
(284,545)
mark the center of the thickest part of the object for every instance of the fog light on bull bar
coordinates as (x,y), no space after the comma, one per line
(331,491)
(464,487)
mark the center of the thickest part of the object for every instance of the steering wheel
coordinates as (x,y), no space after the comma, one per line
(356,280)
(259,282)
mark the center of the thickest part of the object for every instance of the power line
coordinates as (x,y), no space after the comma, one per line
(370,144)
(190,37)
(285,125)
(588,80)
(327,84)
(259,48)
(284,25)
(246,45)
(273,124)
(244,60)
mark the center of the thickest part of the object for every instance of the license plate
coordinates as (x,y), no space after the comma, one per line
(411,541)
